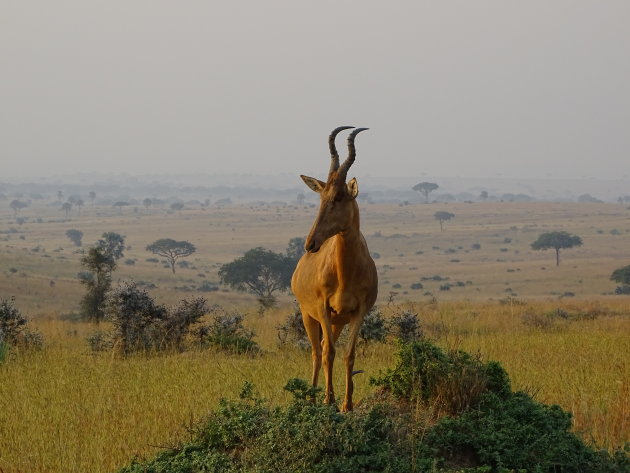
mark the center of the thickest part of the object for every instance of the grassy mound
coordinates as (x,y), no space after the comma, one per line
(434,412)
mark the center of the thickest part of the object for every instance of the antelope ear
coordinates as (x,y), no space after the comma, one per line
(353,188)
(315,184)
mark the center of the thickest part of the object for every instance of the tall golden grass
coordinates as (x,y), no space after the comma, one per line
(64,409)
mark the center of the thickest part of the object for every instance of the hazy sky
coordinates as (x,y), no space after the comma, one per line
(531,88)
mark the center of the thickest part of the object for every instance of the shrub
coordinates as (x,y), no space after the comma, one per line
(449,382)
(417,285)
(226,331)
(292,331)
(207,286)
(405,326)
(13,329)
(141,324)
(374,327)
(516,433)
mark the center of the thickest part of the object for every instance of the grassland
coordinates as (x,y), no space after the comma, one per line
(64,409)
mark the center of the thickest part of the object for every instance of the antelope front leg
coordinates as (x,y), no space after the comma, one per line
(313,331)
(328,358)
(355,326)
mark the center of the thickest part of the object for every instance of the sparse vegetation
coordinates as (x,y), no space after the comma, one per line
(81,411)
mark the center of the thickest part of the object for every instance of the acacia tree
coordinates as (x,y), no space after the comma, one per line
(443,216)
(261,272)
(557,241)
(171,250)
(120,204)
(425,188)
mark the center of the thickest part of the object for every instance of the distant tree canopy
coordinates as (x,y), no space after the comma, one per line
(261,272)
(171,249)
(17,205)
(425,188)
(557,241)
(295,248)
(443,216)
(177,206)
(112,244)
(66,207)
(120,204)
(75,236)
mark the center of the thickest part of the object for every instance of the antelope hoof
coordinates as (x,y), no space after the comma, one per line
(347,406)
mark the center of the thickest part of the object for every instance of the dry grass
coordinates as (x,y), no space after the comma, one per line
(66,410)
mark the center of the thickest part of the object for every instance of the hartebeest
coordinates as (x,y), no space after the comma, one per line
(335,281)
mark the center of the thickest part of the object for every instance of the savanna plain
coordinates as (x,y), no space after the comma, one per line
(561,332)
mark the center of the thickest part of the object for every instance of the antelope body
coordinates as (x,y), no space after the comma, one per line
(335,281)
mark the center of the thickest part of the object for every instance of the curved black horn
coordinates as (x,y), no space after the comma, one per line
(334,156)
(352,152)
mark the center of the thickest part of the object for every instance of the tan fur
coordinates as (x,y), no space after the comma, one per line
(335,282)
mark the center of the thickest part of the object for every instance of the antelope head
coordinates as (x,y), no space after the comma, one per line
(338,209)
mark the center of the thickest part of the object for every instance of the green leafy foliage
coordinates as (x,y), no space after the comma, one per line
(100,262)
(501,432)
(449,382)
(261,272)
(516,433)
(226,331)
(374,327)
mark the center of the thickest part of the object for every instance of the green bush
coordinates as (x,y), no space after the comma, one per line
(226,331)
(449,382)
(13,329)
(373,327)
(501,432)
(516,433)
